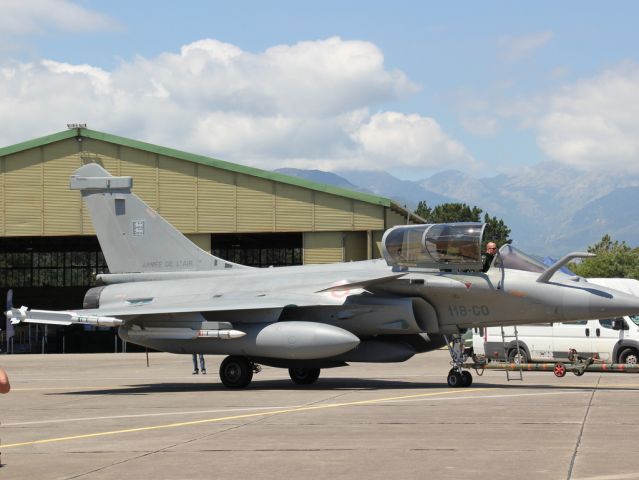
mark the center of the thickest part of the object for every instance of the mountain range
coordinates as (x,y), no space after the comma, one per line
(550,209)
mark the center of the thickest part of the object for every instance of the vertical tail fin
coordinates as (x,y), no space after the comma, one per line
(135,238)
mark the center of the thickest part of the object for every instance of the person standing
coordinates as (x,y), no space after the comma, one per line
(202,364)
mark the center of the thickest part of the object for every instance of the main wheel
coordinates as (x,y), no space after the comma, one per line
(236,372)
(455,379)
(304,376)
(629,355)
(467,378)
(517,356)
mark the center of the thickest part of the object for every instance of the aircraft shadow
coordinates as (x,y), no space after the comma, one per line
(322,384)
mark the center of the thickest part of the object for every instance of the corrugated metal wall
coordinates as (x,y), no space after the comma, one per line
(202,240)
(60,212)
(377,244)
(293,208)
(333,213)
(355,246)
(143,167)
(367,216)
(23,194)
(35,198)
(107,155)
(323,247)
(255,204)
(394,218)
(178,193)
(215,200)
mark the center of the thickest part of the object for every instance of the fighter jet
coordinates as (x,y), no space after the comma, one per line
(165,293)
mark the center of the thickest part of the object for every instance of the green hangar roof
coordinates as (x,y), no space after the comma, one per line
(278,177)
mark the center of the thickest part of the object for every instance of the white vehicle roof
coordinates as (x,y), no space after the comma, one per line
(626,285)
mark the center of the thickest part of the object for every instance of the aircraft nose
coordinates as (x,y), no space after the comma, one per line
(606,303)
(585,301)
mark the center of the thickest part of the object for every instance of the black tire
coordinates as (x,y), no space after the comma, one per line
(455,379)
(304,376)
(236,372)
(517,356)
(629,355)
(467,378)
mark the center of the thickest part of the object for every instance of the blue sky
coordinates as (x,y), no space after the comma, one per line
(408,87)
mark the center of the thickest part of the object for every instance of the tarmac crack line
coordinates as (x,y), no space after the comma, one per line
(239,409)
(236,417)
(581,431)
(164,449)
(200,437)
(221,432)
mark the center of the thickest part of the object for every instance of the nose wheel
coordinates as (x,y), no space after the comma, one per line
(459,379)
(457,376)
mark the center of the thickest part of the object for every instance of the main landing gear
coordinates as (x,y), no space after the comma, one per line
(237,372)
(304,376)
(457,376)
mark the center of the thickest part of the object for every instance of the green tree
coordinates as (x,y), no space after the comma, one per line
(423,210)
(455,212)
(614,260)
(606,245)
(496,230)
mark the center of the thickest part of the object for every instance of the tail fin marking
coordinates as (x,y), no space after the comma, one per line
(134,238)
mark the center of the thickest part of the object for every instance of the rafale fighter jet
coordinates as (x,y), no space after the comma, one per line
(165,293)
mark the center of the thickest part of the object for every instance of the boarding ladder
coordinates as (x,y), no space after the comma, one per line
(518,373)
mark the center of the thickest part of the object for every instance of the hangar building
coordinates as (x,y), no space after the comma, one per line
(49,254)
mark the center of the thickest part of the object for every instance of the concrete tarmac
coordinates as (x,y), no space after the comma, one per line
(108,416)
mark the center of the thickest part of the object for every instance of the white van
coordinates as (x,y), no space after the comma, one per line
(613,340)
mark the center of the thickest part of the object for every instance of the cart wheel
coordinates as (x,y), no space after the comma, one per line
(579,373)
(559,370)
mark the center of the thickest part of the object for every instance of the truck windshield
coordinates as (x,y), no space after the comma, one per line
(635,318)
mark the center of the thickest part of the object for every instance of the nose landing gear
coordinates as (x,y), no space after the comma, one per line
(457,376)
(459,379)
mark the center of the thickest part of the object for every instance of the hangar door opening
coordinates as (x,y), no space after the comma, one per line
(52,273)
(259,249)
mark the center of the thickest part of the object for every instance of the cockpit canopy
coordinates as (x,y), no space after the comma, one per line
(449,246)
(511,257)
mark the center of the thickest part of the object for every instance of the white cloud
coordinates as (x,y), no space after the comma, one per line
(515,48)
(304,105)
(415,141)
(24,17)
(593,123)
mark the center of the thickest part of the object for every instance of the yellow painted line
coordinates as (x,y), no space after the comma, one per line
(237,417)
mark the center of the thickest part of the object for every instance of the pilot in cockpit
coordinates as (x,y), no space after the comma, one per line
(487,258)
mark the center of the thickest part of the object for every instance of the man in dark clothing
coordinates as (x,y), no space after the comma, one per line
(487,258)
